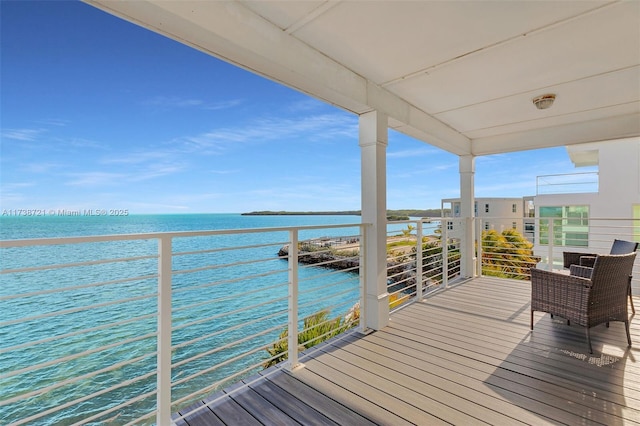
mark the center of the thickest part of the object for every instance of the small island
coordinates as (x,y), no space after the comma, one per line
(404,214)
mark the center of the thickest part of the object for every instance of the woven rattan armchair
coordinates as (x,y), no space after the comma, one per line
(588,259)
(588,296)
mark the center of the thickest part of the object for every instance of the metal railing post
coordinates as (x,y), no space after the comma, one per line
(293,300)
(550,245)
(479,247)
(362,276)
(445,255)
(163,372)
(419,261)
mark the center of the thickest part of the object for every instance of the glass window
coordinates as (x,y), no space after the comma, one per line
(486,208)
(486,226)
(570,225)
(514,208)
(450,226)
(514,225)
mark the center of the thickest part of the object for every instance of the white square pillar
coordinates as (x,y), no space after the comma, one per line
(373,144)
(467,213)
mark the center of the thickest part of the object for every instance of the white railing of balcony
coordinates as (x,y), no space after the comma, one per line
(505,255)
(130,328)
(126,328)
(569,183)
(432,257)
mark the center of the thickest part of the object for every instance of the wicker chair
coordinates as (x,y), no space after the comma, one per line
(588,296)
(588,259)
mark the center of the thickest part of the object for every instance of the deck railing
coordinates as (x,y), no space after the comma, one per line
(568,183)
(513,257)
(132,328)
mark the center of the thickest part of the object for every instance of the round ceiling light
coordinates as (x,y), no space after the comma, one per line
(544,101)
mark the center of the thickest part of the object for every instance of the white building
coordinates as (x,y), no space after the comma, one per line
(497,213)
(589,219)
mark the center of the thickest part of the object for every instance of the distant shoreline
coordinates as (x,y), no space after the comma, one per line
(393,213)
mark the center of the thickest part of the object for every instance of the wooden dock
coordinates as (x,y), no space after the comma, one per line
(463,356)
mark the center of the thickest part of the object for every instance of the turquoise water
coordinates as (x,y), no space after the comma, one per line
(212,321)
(226,308)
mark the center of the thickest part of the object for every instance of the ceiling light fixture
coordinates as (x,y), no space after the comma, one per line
(544,101)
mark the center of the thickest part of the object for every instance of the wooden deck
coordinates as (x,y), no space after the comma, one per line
(463,356)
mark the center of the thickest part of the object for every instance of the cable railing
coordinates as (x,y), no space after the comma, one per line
(568,183)
(131,329)
(508,253)
(438,262)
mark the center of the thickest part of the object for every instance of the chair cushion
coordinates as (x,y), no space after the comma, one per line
(623,247)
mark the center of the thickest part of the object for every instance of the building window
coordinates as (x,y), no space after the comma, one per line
(475,208)
(514,225)
(514,208)
(456,210)
(570,225)
(486,226)
(450,226)
(486,208)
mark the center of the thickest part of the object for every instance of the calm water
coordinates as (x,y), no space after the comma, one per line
(190,302)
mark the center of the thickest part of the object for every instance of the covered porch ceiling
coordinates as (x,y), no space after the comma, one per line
(459,75)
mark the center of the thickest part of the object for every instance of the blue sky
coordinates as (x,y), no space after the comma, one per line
(97,113)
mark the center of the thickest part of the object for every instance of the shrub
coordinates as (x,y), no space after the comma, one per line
(316,329)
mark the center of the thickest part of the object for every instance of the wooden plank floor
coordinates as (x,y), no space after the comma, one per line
(463,356)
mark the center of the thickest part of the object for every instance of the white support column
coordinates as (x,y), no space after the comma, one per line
(373,144)
(467,197)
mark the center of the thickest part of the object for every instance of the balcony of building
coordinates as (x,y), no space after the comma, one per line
(567,183)
(431,70)
(175,327)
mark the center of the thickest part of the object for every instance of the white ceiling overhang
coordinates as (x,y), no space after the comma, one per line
(460,75)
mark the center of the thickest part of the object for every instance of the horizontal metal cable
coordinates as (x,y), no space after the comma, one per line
(228,281)
(75,356)
(216,300)
(75,379)
(93,395)
(76,264)
(79,309)
(158,235)
(226,379)
(325,274)
(315,301)
(218,349)
(224,249)
(330,285)
(78,287)
(117,407)
(75,333)
(262,318)
(235,327)
(224,265)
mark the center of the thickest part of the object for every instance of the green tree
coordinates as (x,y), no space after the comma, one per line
(507,255)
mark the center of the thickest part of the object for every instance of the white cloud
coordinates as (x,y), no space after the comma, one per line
(410,153)
(23,134)
(325,126)
(178,102)
(96,178)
